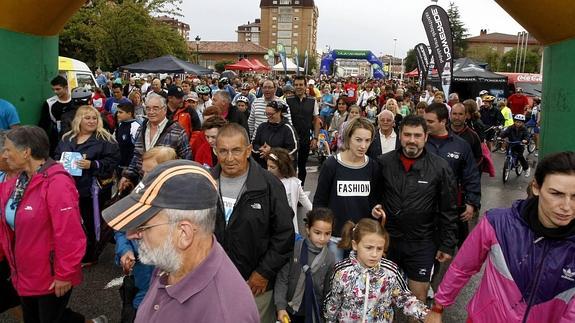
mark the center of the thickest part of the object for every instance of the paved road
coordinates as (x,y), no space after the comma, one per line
(92,299)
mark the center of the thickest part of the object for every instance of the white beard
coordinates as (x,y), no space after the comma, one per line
(165,257)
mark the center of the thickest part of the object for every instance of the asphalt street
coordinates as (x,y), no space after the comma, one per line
(92,298)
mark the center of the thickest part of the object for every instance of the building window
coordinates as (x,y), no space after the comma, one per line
(284,26)
(296,9)
(274,26)
(296,2)
(273,34)
(274,18)
(295,26)
(284,34)
(275,2)
(285,2)
(285,10)
(294,42)
(295,34)
(273,41)
(284,41)
(274,10)
(507,49)
(285,18)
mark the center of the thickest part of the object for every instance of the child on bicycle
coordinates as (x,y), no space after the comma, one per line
(518,132)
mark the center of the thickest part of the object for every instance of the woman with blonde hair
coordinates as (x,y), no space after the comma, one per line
(136,97)
(391,105)
(93,172)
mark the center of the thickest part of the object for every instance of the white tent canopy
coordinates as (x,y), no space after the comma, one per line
(291,67)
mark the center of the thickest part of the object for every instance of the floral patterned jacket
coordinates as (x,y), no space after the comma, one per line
(352,300)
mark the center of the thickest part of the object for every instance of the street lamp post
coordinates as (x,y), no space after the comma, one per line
(197,39)
(392,58)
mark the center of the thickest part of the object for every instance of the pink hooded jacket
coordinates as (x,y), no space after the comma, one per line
(48,242)
(527,278)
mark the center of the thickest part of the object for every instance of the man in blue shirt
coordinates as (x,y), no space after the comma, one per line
(116,99)
(8,115)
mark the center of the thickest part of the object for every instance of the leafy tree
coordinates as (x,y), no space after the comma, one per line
(111,34)
(532,61)
(410,62)
(220,66)
(458,30)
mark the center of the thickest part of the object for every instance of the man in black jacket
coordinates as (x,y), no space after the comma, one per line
(254,221)
(418,195)
(304,116)
(457,153)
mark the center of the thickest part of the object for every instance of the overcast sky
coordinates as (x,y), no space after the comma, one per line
(355,24)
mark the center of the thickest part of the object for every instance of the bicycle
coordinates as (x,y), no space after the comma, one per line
(496,141)
(511,161)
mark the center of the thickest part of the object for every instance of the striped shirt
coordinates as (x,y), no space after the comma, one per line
(258,114)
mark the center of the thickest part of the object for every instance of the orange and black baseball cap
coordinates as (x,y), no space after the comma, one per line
(176,184)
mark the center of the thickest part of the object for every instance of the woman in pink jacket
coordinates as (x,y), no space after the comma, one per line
(41,234)
(529,251)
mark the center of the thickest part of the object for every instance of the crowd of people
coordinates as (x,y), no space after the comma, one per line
(198,180)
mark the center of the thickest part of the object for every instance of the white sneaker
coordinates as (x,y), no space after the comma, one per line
(528,172)
(100,319)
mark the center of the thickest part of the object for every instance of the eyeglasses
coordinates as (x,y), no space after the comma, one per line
(235,152)
(153,109)
(142,228)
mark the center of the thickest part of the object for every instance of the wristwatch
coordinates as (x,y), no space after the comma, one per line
(437,308)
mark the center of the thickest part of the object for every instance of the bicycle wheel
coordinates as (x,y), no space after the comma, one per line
(531,146)
(506,169)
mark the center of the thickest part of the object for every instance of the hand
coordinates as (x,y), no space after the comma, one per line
(442,256)
(468,213)
(60,287)
(378,213)
(433,317)
(524,142)
(257,283)
(83,164)
(127,261)
(283,316)
(313,144)
(125,184)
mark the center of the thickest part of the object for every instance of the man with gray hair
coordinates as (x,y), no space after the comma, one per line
(385,139)
(223,101)
(194,279)
(157,130)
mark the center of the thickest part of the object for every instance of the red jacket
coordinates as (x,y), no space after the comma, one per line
(203,153)
(49,241)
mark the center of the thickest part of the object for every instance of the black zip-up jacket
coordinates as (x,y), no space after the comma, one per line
(276,135)
(104,156)
(259,235)
(419,204)
(457,152)
(514,133)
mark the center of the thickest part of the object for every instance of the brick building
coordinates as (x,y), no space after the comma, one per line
(211,52)
(292,23)
(249,32)
(181,27)
(498,42)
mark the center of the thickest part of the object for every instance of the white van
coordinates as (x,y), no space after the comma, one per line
(76,72)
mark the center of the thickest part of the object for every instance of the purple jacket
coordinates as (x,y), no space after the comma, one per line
(527,278)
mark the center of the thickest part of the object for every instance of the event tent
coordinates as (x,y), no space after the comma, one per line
(166,64)
(470,77)
(241,65)
(291,67)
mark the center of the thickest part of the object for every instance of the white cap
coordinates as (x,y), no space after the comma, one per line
(311,82)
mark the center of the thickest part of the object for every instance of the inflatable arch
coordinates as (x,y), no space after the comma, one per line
(376,64)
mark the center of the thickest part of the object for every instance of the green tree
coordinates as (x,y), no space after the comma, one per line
(220,66)
(458,30)
(410,62)
(111,34)
(532,61)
